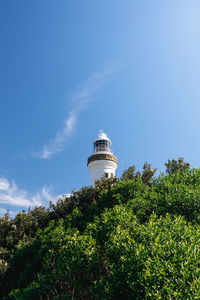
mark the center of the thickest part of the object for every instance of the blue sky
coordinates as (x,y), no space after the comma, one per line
(71,68)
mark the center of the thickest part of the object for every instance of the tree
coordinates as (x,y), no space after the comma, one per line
(129,173)
(173,165)
(70,265)
(147,173)
(135,238)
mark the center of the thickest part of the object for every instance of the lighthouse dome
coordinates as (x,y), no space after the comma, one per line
(102,136)
(102,143)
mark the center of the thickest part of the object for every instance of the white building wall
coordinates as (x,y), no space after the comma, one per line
(98,169)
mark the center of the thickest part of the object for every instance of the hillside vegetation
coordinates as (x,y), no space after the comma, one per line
(137,237)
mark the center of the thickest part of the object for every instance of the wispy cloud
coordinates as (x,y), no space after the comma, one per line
(11,194)
(80,97)
(57,144)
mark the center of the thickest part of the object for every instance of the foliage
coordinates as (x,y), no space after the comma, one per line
(129,173)
(69,265)
(134,238)
(147,173)
(173,165)
(119,258)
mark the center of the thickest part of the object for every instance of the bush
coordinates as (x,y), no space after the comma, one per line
(135,238)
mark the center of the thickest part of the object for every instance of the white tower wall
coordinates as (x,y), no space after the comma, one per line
(101,168)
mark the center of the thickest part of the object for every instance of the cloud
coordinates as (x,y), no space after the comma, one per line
(57,144)
(11,194)
(64,196)
(81,97)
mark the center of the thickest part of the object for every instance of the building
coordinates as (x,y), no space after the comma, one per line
(102,163)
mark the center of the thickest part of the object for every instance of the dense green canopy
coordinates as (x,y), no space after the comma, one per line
(133,238)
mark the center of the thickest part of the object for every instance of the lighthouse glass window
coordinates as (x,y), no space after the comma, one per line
(102,145)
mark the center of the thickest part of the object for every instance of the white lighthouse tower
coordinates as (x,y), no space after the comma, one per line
(102,163)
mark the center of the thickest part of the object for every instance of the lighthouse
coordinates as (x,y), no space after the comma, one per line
(102,163)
